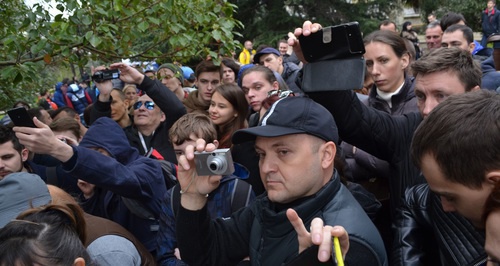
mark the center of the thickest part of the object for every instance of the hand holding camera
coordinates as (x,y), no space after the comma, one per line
(105,87)
(195,187)
(128,74)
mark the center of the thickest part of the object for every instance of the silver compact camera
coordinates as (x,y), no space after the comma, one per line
(217,162)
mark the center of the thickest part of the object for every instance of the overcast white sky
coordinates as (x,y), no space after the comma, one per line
(46,4)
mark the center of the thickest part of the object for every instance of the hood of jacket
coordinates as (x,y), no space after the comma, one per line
(73,88)
(289,68)
(488,65)
(107,134)
(58,86)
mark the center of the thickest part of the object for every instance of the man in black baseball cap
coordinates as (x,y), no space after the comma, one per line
(296,143)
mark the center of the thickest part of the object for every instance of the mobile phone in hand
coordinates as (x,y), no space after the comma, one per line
(20,117)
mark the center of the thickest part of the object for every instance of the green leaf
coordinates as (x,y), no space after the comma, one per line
(60,7)
(154,20)
(58,18)
(9,72)
(18,78)
(216,34)
(95,41)
(89,35)
(143,26)
(86,20)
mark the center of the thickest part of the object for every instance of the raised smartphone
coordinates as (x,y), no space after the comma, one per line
(20,117)
(334,42)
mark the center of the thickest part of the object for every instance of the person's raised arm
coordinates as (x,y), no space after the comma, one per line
(102,106)
(161,95)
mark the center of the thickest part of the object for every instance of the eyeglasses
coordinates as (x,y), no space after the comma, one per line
(281,94)
(148,104)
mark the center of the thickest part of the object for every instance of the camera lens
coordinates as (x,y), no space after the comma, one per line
(213,166)
(217,165)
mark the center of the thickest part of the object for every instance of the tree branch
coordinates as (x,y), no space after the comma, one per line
(35,59)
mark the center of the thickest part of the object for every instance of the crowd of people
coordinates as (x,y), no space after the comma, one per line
(404,171)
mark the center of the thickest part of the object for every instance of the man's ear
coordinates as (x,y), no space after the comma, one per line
(493,177)
(79,262)
(24,154)
(163,117)
(127,103)
(476,88)
(472,45)
(328,151)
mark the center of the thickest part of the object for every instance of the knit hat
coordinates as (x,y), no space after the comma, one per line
(177,71)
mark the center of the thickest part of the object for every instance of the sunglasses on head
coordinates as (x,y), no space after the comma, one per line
(281,94)
(148,104)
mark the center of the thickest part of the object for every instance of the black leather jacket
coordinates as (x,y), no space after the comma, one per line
(262,230)
(378,133)
(427,235)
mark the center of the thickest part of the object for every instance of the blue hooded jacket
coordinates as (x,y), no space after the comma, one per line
(77,97)
(123,174)
(59,96)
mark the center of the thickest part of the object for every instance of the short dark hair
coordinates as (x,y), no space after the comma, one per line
(206,66)
(21,103)
(466,31)
(68,110)
(451,59)
(462,125)
(36,112)
(387,23)
(451,18)
(7,134)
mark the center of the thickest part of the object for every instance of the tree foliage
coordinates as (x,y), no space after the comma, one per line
(268,21)
(471,9)
(166,30)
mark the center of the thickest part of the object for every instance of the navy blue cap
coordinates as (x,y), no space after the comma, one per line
(268,50)
(292,115)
